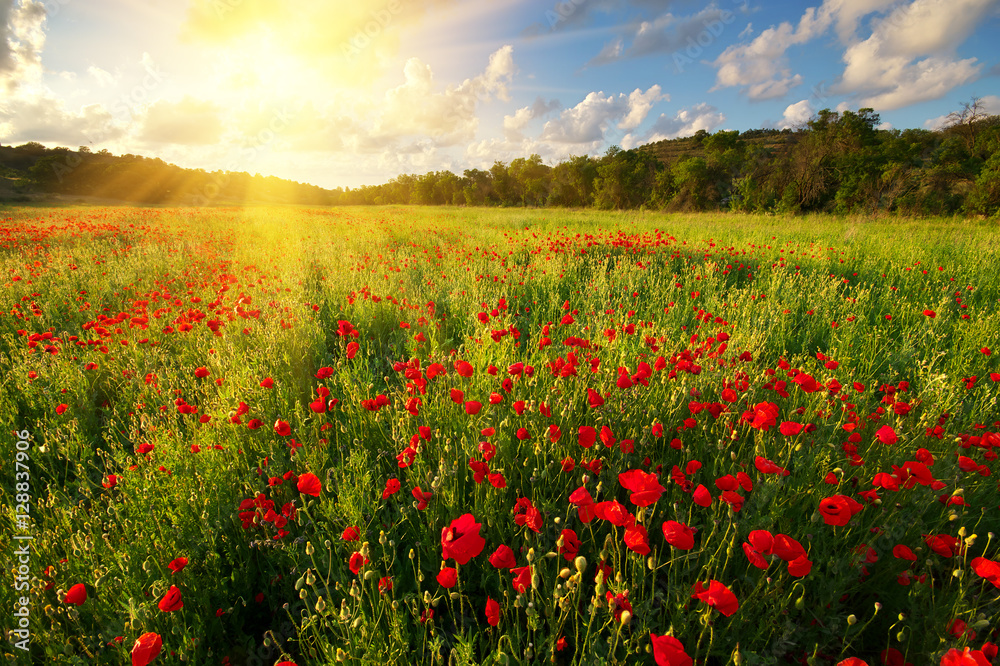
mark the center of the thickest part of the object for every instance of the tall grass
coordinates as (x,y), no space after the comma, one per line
(832,298)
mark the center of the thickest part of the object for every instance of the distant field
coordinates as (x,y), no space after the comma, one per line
(444,435)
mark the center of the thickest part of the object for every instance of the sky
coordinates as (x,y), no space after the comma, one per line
(350,93)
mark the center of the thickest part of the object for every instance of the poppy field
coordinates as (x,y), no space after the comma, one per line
(397,435)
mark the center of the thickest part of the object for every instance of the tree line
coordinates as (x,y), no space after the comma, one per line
(839,162)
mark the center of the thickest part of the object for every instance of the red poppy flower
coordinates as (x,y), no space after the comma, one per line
(352,349)
(391,488)
(762,541)
(267,383)
(76,595)
(967,657)
(147,647)
(492,612)
(503,557)
(586,436)
(110,482)
(422,497)
(171,601)
(787,548)
(309,484)
(614,512)
(594,398)
(461,540)
(930,313)
(351,534)
(357,561)
(902,552)
(473,407)
(852,661)
(282,428)
(754,557)
(886,435)
(701,496)
(522,578)
(464,369)
(384,584)
(838,510)
(944,545)
(177,565)
(987,569)
(448,577)
(645,487)
(790,428)
(570,545)
(718,596)
(61,409)
(765,466)
(800,566)
(678,535)
(637,539)
(668,651)
(201,372)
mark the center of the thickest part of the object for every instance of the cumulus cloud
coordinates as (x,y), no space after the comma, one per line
(684,123)
(796,115)
(513,126)
(447,117)
(761,68)
(46,119)
(21,41)
(588,121)
(188,122)
(909,56)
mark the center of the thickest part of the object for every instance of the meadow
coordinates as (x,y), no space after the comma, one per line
(452,436)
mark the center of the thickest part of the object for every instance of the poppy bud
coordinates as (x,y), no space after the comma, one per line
(580,563)
(626,618)
(852,619)
(320,605)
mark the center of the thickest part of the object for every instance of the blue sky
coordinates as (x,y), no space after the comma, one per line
(351,93)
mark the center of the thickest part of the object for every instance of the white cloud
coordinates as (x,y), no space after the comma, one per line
(909,56)
(796,115)
(639,104)
(684,123)
(46,119)
(588,121)
(21,41)
(448,117)
(513,126)
(760,67)
(103,77)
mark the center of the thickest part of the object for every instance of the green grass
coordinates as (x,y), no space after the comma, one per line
(789,292)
